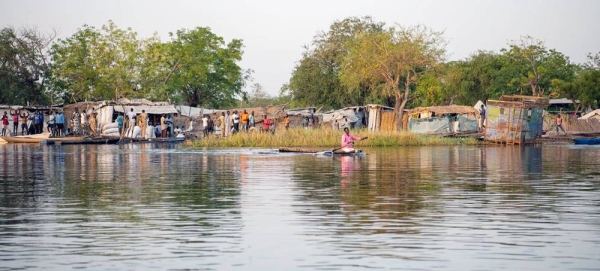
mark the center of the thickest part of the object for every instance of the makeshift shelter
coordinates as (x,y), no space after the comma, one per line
(591,115)
(515,119)
(109,110)
(380,118)
(450,119)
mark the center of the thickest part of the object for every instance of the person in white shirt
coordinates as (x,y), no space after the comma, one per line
(205,125)
(131,117)
(236,121)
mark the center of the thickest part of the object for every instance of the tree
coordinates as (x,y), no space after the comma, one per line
(203,70)
(584,86)
(97,64)
(391,62)
(24,65)
(316,78)
(536,65)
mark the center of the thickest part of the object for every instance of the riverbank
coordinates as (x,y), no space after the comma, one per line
(326,138)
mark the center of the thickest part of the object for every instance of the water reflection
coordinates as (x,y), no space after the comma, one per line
(160,206)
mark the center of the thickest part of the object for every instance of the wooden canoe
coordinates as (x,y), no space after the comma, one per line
(315,151)
(38,139)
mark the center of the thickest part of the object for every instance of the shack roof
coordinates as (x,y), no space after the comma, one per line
(150,109)
(446,109)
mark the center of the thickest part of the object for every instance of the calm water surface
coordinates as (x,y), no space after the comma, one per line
(164,207)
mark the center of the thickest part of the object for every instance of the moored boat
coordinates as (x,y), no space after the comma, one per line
(39,138)
(587,140)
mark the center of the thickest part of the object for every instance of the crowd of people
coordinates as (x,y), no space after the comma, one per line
(31,123)
(231,122)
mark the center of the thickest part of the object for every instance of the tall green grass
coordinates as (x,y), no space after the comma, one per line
(298,137)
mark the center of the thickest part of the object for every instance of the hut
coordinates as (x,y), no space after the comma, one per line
(443,120)
(515,119)
(380,118)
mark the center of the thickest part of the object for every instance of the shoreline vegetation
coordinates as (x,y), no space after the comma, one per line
(299,137)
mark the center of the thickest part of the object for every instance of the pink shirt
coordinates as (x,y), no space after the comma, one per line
(347,138)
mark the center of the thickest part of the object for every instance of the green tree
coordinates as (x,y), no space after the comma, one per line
(536,66)
(391,62)
(584,86)
(97,64)
(203,70)
(24,65)
(316,78)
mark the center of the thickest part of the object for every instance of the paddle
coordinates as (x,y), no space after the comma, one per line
(350,143)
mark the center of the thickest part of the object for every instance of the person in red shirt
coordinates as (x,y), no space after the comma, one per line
(15,122)
(266,123)
(4,123)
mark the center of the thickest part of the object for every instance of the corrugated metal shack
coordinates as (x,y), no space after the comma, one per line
(515,119)
(443,120)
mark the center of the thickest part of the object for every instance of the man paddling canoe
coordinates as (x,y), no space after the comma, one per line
(348,141)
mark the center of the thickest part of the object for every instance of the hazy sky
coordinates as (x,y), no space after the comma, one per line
(275,31)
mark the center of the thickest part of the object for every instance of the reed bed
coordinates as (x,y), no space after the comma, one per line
(298,137)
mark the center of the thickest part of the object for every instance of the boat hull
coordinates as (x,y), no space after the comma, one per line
(587,141)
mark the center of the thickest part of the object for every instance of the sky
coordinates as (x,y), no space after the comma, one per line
(274,32)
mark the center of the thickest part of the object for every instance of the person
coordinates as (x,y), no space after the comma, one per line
(84,123)
(23,123)
(131,120)
(94,123)
(236,121)
(143,122)
(15,122)
(227,123)
(4,123)
(52,124)
(60,123)
(266,123)
(559,124)
(76,119)
(482,116)
(335,125)
(205,125)
(120,123)
(305,123)
(222,124)
(38,122)
(348,140)
(311,121)
(210,125)
(163,126)
(287,122)
(251,119)
(244,117)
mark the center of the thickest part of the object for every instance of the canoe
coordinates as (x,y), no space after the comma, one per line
(587,140)
(157,140)
(37,139)
(83,141)
(315,151)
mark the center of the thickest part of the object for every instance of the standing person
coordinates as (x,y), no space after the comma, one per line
(94,123)
(163,126)
(131,119)
(559,124)
(60,123)
(37,123)
(244,120)
(251,120)
(210,125)
(4,123)
(287,122)
(222,124)
(360,114)
(120,123)
(348,140)
(305,122)
(15,122)
(228,124)
(205,125)
(76,119)
(52,124)
(84,123)
(236,121)
(311,121)
(266,123)
(23,123)
(143,122)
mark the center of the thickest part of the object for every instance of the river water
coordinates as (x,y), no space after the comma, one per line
(165,207)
